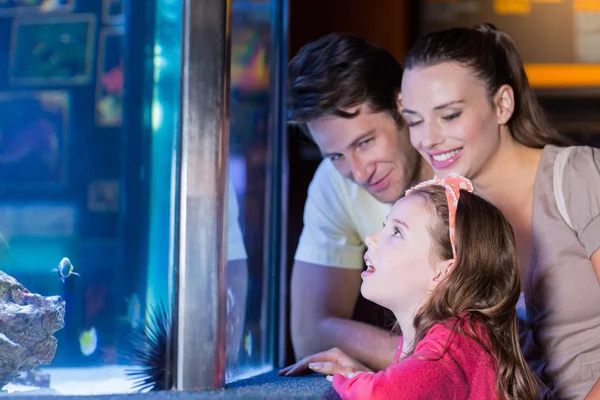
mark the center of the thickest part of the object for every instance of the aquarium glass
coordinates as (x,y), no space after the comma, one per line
(89,155)
(88,152)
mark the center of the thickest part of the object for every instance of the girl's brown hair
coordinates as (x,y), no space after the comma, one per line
(492,56)
(484,285)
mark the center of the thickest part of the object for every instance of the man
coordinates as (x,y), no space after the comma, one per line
(344,94)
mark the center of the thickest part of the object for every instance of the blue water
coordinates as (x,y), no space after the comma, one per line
(76,170)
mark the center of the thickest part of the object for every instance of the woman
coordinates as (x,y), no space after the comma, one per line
(445,263)
(471,111)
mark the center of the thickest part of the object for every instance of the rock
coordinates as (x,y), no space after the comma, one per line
(27,323)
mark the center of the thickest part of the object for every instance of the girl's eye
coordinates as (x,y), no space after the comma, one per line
(413,123)
(397,232)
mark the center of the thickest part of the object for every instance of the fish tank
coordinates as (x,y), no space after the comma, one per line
(90,152)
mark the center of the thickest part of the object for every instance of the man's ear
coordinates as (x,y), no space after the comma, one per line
(504,102)
(442,269)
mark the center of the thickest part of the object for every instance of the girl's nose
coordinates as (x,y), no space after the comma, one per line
(371,241)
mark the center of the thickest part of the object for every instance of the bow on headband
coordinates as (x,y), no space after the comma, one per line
(453,183)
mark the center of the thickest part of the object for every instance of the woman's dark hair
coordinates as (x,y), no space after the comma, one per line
(339,71)
(484,285)
(492,56)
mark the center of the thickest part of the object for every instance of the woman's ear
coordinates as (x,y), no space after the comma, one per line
(504,102)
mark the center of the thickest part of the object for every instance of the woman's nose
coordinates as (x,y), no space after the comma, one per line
(430,136)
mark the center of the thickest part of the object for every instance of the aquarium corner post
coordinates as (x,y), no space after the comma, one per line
(198,352)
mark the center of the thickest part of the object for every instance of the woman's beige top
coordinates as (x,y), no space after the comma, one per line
(561,338)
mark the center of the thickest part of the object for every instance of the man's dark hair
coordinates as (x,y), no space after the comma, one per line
(339,71)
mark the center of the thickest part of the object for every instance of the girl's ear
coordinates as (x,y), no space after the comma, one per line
(442,269)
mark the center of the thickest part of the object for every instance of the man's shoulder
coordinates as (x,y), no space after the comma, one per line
(338,214)
(327,181)
(327,175)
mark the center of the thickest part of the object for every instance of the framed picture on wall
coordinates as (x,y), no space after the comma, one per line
(38,219)
(33,140)
(113,12)
(19,7)
(56,50)
(109,83)
(103,196)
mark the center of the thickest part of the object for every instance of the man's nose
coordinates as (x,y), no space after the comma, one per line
(362,170)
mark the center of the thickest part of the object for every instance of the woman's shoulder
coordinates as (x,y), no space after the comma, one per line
(572,167)
(571,154)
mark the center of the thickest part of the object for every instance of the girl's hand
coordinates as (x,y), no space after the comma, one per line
(349,376)
(329,362)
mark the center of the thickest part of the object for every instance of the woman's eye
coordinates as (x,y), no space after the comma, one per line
(452,116)
(397,232)
(413,123)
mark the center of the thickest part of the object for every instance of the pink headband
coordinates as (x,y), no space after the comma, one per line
(453,183)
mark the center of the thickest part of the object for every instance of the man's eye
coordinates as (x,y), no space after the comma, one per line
(365,142)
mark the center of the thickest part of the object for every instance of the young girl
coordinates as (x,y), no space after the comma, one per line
(445,264)
(470,110)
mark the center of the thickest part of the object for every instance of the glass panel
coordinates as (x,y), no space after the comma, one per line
(164,150)
(250,341)
(90,100)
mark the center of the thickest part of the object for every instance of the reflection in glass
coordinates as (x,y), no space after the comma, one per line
(236,279)
(249,172)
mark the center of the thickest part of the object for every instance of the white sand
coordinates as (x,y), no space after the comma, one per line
(109,379)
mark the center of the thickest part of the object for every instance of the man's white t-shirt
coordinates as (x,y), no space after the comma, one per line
(338,215)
